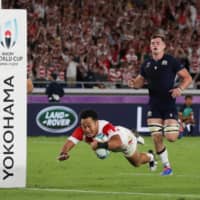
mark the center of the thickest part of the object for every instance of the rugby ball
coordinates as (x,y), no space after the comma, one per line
(102,153)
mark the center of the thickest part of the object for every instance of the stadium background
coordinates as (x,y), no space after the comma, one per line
(104,43)
(100,45)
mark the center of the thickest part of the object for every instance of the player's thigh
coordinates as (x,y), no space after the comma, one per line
(129,142)
(171,129)
(155,126)
(154,119)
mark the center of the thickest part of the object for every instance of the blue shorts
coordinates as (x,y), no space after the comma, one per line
(162,112)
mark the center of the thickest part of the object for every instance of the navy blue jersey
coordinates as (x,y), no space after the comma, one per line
(160,76)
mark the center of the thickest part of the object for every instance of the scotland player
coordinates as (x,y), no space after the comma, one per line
(160,72)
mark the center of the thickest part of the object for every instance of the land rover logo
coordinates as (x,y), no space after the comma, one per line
(57,119)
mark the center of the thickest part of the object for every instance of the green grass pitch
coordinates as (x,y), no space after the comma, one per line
(85,177)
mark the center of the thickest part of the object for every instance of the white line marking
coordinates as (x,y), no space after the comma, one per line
(196,196)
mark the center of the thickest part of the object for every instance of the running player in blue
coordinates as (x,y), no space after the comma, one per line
(160,71)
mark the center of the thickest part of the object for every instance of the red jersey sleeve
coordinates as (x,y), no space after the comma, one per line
(107,128)
(78,133)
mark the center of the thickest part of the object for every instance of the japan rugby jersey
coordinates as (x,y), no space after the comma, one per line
(105,127)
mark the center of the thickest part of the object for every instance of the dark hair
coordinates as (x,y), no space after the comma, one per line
(89,113)
(159,35)
(188,96)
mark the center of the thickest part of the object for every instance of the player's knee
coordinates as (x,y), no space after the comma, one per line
(171,132)
(136,163)
(171,137)
(134,160)
(155,128)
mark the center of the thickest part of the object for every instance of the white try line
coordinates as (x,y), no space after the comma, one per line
(195,196)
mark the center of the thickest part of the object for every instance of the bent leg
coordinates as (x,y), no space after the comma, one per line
(138,158)
(130,151)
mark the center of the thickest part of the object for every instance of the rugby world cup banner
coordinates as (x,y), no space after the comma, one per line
(13,28)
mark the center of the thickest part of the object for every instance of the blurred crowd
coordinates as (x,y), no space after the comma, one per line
(106,40)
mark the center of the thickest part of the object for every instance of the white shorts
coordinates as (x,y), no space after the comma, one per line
(129,141)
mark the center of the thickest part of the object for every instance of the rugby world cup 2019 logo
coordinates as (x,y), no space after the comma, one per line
(8,34)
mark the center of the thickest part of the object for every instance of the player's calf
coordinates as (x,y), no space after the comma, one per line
(138,159)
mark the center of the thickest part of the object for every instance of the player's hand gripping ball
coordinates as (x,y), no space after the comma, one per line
(100,152)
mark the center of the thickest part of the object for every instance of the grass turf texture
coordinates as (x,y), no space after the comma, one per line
(85,177)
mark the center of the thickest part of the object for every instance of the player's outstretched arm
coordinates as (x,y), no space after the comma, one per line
(65,149)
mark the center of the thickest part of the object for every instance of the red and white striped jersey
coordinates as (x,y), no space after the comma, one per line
(105,127)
